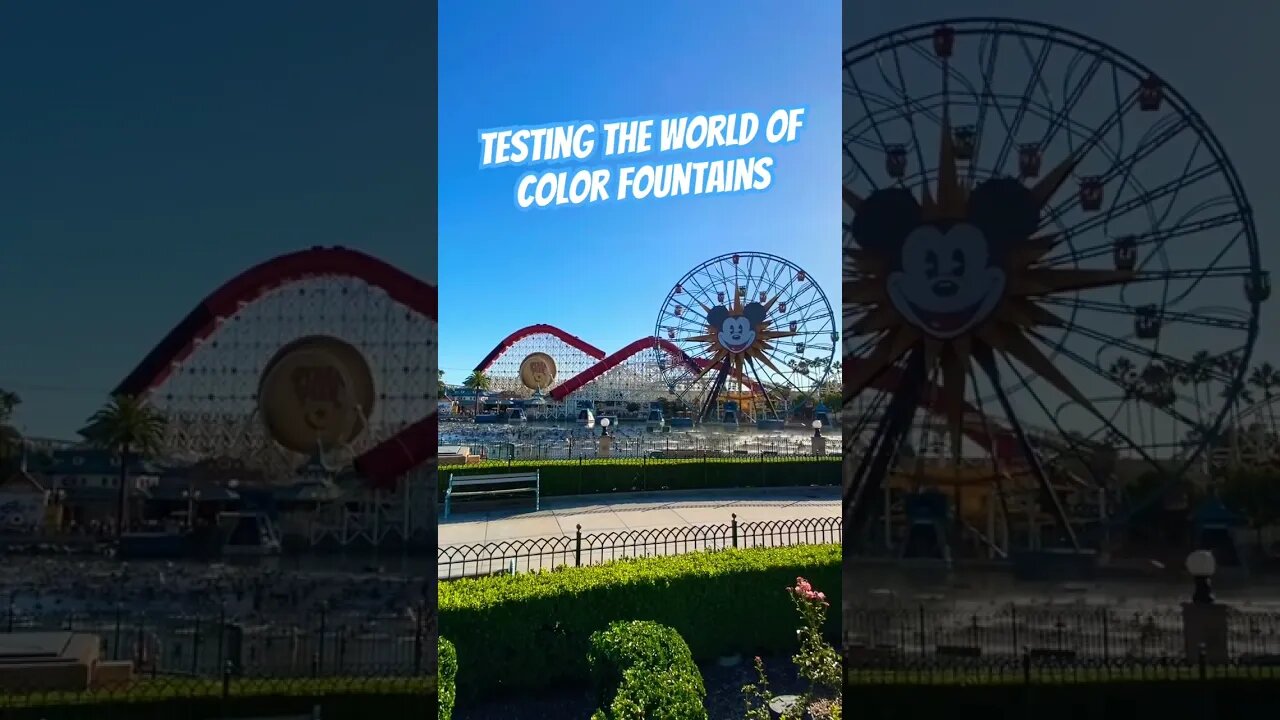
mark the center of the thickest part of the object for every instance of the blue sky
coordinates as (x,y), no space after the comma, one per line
(517,63)
(153,150)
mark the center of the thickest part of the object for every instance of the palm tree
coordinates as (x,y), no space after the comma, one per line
(478,383)
(1152,379)
(1198,374)
(441,389)
(1122,372)
(131,427)
(1229,364)
(1266,378)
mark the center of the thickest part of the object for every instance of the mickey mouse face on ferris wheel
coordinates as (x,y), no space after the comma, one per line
(736,332)
(946,275)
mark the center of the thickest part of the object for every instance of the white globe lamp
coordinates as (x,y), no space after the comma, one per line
(1201,565)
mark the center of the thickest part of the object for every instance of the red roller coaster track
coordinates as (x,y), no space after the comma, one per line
(564,389)
(572,341)
(382,464)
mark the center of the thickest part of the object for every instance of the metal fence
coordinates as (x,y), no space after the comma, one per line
(318,644)
(623,446)
(524,555)
(639,459)
(1031,668)
(1008,631)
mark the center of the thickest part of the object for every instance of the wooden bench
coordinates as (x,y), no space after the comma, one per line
(504,484)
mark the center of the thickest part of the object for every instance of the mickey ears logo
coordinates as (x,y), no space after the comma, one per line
(736,332)
(1003,209)
(947,275)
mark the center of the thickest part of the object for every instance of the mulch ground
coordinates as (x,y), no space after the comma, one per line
(724,695)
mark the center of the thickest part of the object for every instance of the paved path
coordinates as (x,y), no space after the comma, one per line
(632,524)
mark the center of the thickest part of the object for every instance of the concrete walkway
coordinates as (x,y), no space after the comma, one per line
(630,524)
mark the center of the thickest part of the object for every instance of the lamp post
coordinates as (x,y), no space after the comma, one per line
(1204,620)
(1202,565)
(192,497)
(606,442)
(818,441)
(60,510)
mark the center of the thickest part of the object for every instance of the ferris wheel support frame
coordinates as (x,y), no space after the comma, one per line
(404,518)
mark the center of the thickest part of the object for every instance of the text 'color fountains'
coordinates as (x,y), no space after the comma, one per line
(745,337)
(316,365)
(1039,236)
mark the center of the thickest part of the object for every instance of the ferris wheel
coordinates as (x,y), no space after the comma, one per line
(1040,234)
(747,328)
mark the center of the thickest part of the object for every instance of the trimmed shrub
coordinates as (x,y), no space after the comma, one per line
(529,631)
(586,477)
(646,694)
(644,671)
(448,679)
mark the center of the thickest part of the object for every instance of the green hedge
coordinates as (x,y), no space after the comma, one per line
(341,698)
(585,477)
(448,663)
(524,632)
(1096,701)
(645,670)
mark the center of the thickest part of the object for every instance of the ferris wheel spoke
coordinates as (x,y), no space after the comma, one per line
(1129,311)
(817,306)
(901,90)
(1123,344)
(1122,166)
(1038,77)
(1177,299)
(949,73)
(865,107)
(1141,240)
(805,324)
(1166,409)
(1070,100)
(862,348)
(988,75)
(1139,202)
(987,361)
(887,110)
(1057,436)
(1020,114)
(869,412)
(1108,423)
(1195,276)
